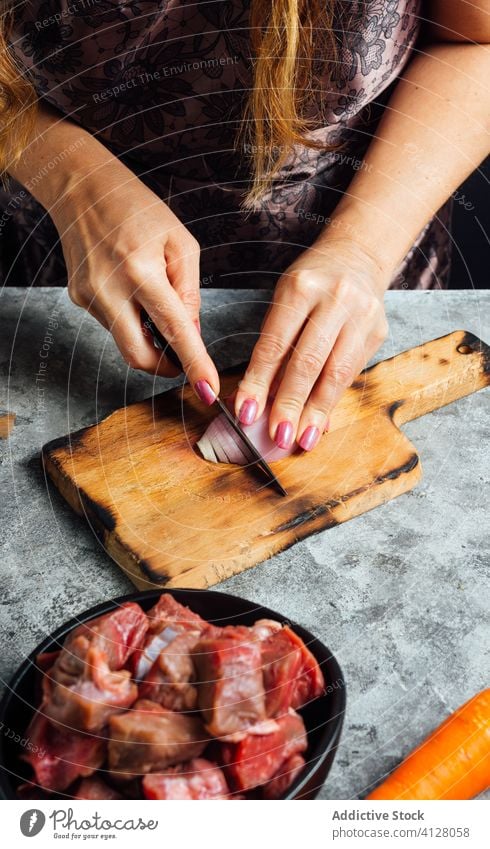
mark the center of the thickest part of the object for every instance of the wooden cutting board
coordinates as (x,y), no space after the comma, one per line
(168,517)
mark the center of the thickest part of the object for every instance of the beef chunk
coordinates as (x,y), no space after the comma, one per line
(230,687)
(282,661)
(91,698)
(292,676)
(149,738)
(277,786)
(61,755)
(198,779)
(169,681)
(168,619)
(95,788)
(116,634)
(311,683)
(257,759)
(87,684)
(168,612)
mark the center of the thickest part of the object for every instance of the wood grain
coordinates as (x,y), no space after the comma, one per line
(168,517)
(7,421)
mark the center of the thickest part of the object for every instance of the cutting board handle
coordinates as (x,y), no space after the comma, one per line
(419,380)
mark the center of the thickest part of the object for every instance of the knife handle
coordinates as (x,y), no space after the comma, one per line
(160,340)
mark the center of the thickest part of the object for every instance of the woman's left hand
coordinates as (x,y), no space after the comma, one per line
(326,321)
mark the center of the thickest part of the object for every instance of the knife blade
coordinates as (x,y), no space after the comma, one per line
(261,463)
(169,352)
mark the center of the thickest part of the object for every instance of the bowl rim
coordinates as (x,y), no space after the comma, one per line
(328,737)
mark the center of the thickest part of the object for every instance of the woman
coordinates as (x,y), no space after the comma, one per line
(305,145)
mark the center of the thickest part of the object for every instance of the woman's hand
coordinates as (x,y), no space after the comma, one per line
(326,321)
(126,251)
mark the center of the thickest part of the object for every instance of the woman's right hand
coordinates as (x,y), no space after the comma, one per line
(125,251)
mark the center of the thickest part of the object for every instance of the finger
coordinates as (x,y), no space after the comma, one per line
(167,311)
(183,275)
(304,367)
(274,384)
(137,349)
(280,330)
(348,357)
(168,365)
(279,375)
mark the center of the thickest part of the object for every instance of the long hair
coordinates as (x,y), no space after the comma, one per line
(17,100)
(292,42)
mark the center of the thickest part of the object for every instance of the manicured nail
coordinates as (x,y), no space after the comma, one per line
(284,435)
(205,393)
(309,438)
(248,411)
(198,324)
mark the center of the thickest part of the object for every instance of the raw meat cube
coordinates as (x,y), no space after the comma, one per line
(168,619)
(169,612)
(198,779)
(116,634)
(149,738)
(61,755)
(282,661)
(311,683)
(292,676)
(257,759)
(90,698)
(230,686)
(277,786)
(87,684)
(169,681)
(95,788)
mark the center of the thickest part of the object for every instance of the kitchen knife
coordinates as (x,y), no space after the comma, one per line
(260,462)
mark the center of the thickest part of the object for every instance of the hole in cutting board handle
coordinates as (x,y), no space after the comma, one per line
(464,349)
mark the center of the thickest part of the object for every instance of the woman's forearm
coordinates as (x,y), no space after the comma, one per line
(60,156)
(434,133)
(124,249)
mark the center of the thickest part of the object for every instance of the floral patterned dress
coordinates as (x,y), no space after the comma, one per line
(162,84)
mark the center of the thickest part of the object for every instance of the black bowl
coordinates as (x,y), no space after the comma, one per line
(323,717)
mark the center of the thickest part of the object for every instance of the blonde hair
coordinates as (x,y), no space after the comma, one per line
(18,100)
(293,41)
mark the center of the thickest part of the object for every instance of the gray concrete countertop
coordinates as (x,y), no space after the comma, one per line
(400,595)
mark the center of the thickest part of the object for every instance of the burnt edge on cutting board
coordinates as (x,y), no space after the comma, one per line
(321,509)
(299,521)
(394,407)
(479,347)
(94,510)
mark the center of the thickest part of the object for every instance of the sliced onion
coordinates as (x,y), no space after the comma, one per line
(152,649)
(220,443)
(207,449)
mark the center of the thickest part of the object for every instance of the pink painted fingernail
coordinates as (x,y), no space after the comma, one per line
(284,435)
(248,411)
(205,393)
(309,438)
(198,324)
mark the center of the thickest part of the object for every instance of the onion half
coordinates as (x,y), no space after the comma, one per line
(220,444)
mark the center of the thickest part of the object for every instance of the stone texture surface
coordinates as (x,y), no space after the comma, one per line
(400,595)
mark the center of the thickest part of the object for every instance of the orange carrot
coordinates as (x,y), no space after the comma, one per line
(452,763)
